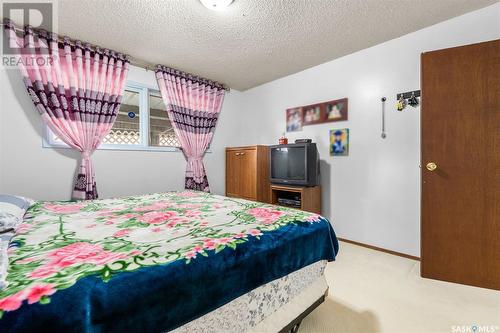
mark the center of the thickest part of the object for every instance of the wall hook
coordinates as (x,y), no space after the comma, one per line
(413,100)
(401,104)
(407,98)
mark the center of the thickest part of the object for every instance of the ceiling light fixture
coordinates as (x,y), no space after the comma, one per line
(216,4)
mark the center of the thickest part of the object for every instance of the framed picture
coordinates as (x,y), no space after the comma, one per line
(294,120)
(335,110)
(318,113)
(312,114)
(339,142)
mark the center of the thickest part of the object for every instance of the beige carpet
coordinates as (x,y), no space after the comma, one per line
(371,291)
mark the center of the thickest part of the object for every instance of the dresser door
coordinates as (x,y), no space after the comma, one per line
(232,173)
(247,177)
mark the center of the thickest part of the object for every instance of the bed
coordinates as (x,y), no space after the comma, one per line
(178,261)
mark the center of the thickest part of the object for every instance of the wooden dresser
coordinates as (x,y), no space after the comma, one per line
(247,173)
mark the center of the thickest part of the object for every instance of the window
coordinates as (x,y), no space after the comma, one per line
(127,127)
(161,132)
(142,124)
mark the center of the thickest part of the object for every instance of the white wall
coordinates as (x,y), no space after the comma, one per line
(373,195)
(45,173)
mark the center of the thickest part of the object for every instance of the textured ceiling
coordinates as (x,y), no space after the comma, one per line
(253,41)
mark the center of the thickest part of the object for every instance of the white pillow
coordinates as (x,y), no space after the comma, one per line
(12,210)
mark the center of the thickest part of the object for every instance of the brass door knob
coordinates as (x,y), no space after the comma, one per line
(431,166)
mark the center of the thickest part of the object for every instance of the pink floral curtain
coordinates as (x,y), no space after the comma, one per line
(193,105)
(76,88)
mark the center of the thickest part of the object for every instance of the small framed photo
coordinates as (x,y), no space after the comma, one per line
(294,120)
(312,114)
(336,110)
(339,142)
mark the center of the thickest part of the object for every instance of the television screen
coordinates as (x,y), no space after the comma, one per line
(288,163)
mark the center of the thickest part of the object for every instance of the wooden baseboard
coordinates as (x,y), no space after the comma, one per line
(380,249)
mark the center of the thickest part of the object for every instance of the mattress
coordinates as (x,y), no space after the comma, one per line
(150,263)
(268,308)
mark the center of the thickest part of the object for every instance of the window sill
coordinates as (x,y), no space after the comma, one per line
(45,144)
(116,147)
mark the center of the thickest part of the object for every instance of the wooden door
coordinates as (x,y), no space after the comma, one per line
(460,120)
(232,173)
(248,174)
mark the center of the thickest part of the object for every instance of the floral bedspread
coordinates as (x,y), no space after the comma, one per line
(62,242)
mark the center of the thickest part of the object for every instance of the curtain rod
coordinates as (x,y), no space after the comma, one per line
(132,61)
(60,40)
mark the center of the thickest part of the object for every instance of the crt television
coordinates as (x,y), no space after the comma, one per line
(294,164)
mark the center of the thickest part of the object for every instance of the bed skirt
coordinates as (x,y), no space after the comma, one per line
(268,308)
